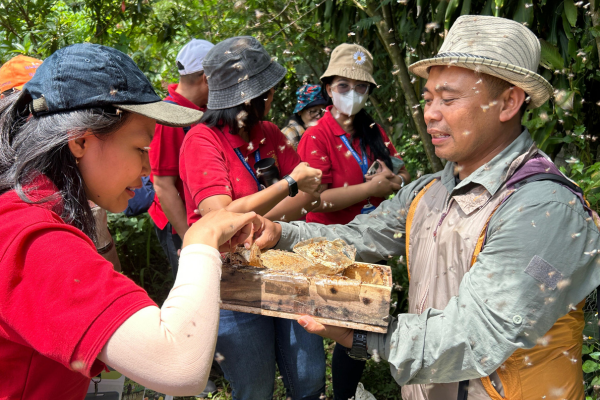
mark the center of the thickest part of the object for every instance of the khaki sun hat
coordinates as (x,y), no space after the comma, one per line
(495,46)
(351,61)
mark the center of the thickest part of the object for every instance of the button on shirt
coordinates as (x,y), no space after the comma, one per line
(164,155)
(210,167)
(499,303)
(321,147)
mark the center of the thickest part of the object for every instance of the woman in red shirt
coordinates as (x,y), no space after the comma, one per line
(80,131)
(344,144)
(217,166)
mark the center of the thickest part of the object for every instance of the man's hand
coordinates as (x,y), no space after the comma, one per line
(268,235)
(343,336)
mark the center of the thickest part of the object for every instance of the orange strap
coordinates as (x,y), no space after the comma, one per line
(411,215)
(482,235)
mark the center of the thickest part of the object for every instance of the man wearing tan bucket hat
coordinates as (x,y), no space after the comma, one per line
(500,247)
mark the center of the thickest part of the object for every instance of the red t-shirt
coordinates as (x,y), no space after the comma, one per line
(209,166)
(164,155)
(322,147)
(60,302)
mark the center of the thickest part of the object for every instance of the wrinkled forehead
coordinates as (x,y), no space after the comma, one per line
(441,77)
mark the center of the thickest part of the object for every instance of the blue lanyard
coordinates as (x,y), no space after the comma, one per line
(364,163)
(256,159)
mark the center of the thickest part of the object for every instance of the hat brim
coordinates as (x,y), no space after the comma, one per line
(165,113)
(538,88)
(251,88)
(350,73)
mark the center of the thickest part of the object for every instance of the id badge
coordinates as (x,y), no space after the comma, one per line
(367,208)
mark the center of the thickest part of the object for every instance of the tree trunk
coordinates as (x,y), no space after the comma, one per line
(382,121)
(402,77)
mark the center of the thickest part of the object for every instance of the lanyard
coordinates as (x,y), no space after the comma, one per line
(256,159)
(364,164)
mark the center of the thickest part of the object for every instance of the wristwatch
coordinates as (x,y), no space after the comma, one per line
(293,185)
(359,346)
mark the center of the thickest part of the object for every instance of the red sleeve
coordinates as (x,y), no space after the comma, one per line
(206,172)
(287,157)
(316,153)
(61,298)
(388,143)
(164,150)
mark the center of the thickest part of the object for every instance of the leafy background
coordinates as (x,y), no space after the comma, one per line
(301,34)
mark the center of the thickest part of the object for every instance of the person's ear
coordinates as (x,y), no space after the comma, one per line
(79,146)
(328,88)
(512,100)
(204,79)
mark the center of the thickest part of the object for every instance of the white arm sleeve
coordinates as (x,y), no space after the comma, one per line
(171,349)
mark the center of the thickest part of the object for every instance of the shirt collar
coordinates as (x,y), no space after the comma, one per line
(179,99)
(333,125)
(493,174)
(257,137)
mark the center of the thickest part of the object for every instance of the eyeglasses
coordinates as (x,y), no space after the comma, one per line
(344,87)
(315,113)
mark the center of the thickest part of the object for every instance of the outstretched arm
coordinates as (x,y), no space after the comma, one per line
(376,236)
(171,349)
(539,262)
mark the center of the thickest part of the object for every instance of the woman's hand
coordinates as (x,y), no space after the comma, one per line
(308,179)
(223,230)
(383,183)
(396,178)
(382,171)
(343,336)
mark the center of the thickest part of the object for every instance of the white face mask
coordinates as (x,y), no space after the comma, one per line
(350,102)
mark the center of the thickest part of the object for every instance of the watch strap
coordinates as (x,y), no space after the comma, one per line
(293,185)
(359,346)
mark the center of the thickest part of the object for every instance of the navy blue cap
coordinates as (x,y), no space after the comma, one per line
(85,75)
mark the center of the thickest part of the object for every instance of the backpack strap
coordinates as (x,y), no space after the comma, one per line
(411,215)
(550,177)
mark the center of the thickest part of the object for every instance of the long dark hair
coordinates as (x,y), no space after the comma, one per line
(364,128)
(30,146)
(244,116)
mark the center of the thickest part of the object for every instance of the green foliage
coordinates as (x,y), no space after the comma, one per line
(142,258)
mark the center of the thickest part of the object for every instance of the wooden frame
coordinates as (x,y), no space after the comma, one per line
(362,301)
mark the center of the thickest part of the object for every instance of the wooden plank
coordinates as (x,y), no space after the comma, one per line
(325,321)
(347,301)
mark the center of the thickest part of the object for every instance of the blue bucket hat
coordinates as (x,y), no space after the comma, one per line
(309,96)
(85,75)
